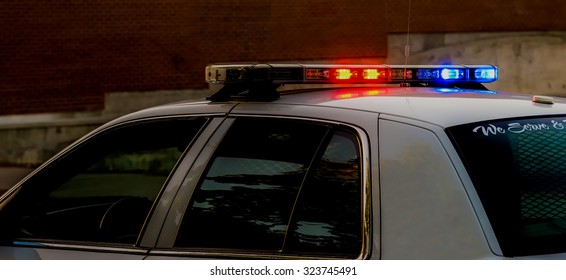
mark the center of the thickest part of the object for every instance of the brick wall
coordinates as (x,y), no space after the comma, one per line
(58,56)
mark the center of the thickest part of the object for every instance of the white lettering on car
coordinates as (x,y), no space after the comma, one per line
(517,127)
(489,130)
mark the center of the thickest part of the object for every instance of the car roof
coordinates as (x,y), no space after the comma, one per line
(444,107)
(441,106)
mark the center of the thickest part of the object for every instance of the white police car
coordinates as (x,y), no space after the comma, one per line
(439,168)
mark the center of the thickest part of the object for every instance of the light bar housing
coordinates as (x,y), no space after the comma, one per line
(337,73)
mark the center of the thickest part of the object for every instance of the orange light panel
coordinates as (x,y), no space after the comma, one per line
(343,74)
(371,74)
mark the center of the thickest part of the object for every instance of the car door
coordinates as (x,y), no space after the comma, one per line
(274,187)
(97,199)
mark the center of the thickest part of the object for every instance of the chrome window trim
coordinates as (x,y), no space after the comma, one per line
(235,255)
(67,246)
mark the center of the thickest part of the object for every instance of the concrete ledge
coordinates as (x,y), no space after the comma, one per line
(53,119)
(116,104)
(11,175)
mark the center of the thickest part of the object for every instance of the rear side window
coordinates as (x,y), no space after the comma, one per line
(519,170)
(279,186)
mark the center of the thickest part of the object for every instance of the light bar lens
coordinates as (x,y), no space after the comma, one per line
(452,74)
(371,74)
(317,74)
(303,74)
(343,74)
(482,74)
(353,74)
(428,74)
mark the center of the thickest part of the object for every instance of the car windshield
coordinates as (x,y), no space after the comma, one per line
(518,168)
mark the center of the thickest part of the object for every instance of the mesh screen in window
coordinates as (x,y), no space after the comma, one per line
(519,170)
(279,186)
(541,157)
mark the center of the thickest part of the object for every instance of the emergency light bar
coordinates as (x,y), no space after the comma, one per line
(330,73)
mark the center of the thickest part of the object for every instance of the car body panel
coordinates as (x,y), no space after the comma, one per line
(443,107)
(426,212)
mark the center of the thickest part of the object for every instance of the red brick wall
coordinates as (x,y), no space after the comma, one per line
(478,15)
(64,55)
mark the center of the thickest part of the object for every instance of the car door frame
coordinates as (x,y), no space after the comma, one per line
(365,124)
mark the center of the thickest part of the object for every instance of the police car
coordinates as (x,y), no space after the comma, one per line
(374,162)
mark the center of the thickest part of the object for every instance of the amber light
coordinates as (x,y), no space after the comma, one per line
(371,74)
(343,74)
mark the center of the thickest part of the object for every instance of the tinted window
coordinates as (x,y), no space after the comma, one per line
(103,190)
(279,186)
(327,218)
(519,169)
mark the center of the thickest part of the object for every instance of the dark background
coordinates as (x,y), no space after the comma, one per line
(58,56)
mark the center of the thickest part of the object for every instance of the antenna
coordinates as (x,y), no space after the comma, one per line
(407,47)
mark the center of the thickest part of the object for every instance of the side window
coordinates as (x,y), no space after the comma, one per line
(279,186)
(327,217)
(104,189)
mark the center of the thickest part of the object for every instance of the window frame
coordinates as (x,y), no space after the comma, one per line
(165,244)
(209,124)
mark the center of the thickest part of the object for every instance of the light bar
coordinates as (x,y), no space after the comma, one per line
(330,73)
